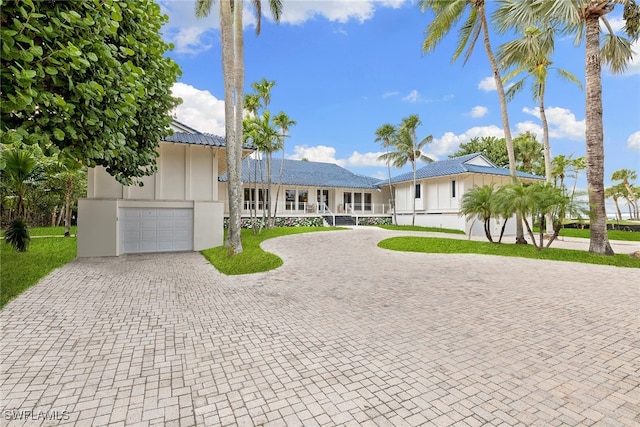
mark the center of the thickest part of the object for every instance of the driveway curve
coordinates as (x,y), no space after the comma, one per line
(344,333)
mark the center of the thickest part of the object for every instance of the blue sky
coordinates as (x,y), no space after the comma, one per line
(344,68)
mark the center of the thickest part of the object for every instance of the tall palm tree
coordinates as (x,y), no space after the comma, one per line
(282,121)
(408,150)
(627,175)
(584,18)
(530,55)
(446,15)
(386,134)
(233,71)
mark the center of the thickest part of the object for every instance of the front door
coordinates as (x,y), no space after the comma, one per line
(323,199)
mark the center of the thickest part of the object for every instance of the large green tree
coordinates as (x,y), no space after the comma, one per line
(586,19)
(491,147)
(89,79)
(231,37)
(445,15)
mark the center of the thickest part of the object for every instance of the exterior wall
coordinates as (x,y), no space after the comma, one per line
(98,228)
(99,232)
(185,172)
(187,177)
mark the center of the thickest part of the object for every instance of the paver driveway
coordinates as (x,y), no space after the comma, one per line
(344,333)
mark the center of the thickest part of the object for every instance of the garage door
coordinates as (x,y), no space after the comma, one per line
(155,230)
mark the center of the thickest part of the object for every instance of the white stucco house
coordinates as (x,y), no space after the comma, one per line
(179,208)
(439,189)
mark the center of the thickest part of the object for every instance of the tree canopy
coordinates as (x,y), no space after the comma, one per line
(89,79)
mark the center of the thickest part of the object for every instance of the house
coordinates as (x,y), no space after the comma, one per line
(178,208)
(309,189)
(439,189)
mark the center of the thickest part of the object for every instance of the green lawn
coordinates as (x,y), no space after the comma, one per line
(51,231)
(417,228)
(253,259)
(613,234)
(455,246)
(21,270)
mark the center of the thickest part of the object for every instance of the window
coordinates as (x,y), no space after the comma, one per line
(290,199)
(367,201)
(453,188)
(303,197)
(418,191)
(357,201)
(253,202)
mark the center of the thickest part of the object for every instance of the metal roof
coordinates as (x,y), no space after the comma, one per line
(456,166)
(198,138)
(304,173)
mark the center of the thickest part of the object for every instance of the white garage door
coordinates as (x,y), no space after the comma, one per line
(155,230)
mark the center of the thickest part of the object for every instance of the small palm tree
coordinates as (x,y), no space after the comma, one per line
(615,192)
(479,203)
(627,175)
(282,121)
(19,168)
(386,134)
(17,235)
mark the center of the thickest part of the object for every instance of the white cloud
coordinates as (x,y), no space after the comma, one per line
(633,142)
(414,97)
(562,123)
(634,64)
(364,159)
(478,111)
(390,94)
(449,142)
(487,84)
(199,109)
(319,153)
(192,36)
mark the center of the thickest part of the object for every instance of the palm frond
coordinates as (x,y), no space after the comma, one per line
(470,30)
(515,14)
(616,52)
(446,14)
(203,8)
(570,77)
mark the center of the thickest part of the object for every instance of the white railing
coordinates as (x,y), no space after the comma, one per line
(368,208)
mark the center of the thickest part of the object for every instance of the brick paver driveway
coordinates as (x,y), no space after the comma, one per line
(344,333)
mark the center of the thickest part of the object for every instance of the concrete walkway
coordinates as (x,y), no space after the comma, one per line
(344,333)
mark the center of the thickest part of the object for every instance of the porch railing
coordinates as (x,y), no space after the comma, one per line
(368,208)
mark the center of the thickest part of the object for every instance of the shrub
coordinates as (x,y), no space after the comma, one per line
(374,221)
(17,235)
(279,222)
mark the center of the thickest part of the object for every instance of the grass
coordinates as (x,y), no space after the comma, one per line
(633,236)
(21,270)
(418,228)
(51,231)
(454,246)
(253,259)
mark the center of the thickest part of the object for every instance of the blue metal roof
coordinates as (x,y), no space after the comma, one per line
(196,137)
(456,166)
(304,173)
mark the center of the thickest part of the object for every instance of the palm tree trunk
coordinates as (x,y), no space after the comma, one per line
(233,241)
(67,207)
(393,202)
(503,112)
(413,218)
(275,209)
(615,200)
(599,242)
(546,152)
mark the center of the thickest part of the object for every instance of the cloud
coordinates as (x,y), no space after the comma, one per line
(326,154)
(414,97)
(449,142)
(562,123)
(199,109)
(634,64)
(340,11)
(487,84)
(390,94)
(478,111)
(633,142)
(319,153)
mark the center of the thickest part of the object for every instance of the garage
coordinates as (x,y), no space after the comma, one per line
(144,230)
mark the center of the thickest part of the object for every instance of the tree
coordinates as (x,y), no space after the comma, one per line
(19,168)
(448,13)
(67,170)
(627,175)
(386,135)
(528,152)
(408,150)
(479,203)
(233,71)
(530,55)
(282,121)
(560,167)
(88,79)
(583,18)
(491,147)
(615,192)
